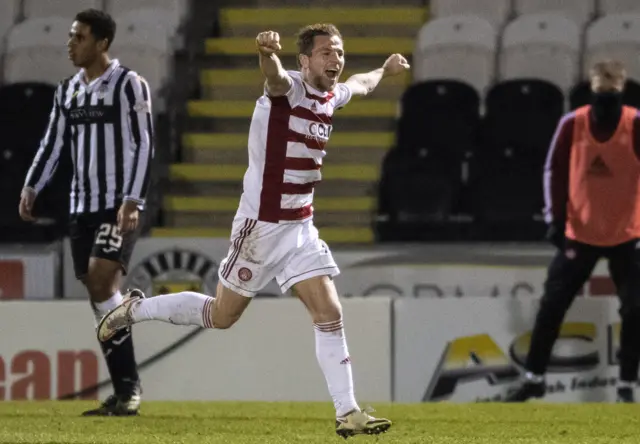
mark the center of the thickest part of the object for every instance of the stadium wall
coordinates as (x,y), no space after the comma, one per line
(472,350)
(30,272)
(453,321)
(48,351)
(403,349)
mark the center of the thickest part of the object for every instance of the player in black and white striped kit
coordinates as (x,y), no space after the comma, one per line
(102,118)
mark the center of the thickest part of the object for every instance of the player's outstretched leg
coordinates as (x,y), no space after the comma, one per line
(320,297)
(184,308)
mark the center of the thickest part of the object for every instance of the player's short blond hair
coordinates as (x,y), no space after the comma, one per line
(609,70)
(306,37)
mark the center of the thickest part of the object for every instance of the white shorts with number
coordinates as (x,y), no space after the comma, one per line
(261,251)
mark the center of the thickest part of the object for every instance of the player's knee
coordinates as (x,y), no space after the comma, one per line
(328,313)
(223,321)
(99,290)
(99,285)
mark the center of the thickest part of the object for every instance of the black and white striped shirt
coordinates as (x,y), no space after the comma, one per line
(108,127)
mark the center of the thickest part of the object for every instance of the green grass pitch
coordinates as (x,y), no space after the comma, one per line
(243,423)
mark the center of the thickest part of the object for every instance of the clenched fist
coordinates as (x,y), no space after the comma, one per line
(395,64)
(27,198)
(268,43)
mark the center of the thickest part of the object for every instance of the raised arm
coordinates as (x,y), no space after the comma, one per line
(277,81)
(364,83)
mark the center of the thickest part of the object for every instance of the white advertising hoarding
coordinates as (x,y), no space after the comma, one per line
(473,349)
(49,350)
(29,272)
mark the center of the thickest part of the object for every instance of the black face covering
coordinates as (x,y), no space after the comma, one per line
(607,107)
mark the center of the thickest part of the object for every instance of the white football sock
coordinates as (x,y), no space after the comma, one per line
(102,308)
(334,360)
(184,308)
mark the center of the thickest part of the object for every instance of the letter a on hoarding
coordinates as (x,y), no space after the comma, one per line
(468,359)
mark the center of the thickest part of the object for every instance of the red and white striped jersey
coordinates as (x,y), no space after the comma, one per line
(287,138)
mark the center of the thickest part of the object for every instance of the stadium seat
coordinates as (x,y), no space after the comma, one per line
(505,184)
(18,100)
(606,7)
(506,201)
(521,116)
(144,47)
(579,11)
(439,115)
(581,94)
(37,52)
(459,48)
(615,36)
(167,20)
(118,8)
(504,190)
(21,137)
(541,46)
(66,9)
(494,11)
(8,14)
(417,196)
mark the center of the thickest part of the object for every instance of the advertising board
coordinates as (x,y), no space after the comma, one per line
(49,350)
(473,349)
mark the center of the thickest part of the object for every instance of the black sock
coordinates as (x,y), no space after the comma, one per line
(120,358)
(121,362)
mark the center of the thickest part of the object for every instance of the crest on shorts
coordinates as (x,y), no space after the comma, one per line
(173,271)
(244,274)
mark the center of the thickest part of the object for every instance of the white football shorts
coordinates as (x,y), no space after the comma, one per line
(261,251)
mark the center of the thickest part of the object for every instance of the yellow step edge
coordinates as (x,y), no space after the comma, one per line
(338,16)
(207,173)
(239,140)
(382,46)
(341,235)
(244,108)
(248,77)
(211,204)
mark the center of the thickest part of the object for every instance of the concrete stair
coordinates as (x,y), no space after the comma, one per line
(205,188)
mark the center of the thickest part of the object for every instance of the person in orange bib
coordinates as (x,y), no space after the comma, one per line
(592,198)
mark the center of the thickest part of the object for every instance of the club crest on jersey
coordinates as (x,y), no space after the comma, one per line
(102,91)
(173,271)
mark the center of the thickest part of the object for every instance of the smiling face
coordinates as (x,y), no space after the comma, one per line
(321,56)
(325,65)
